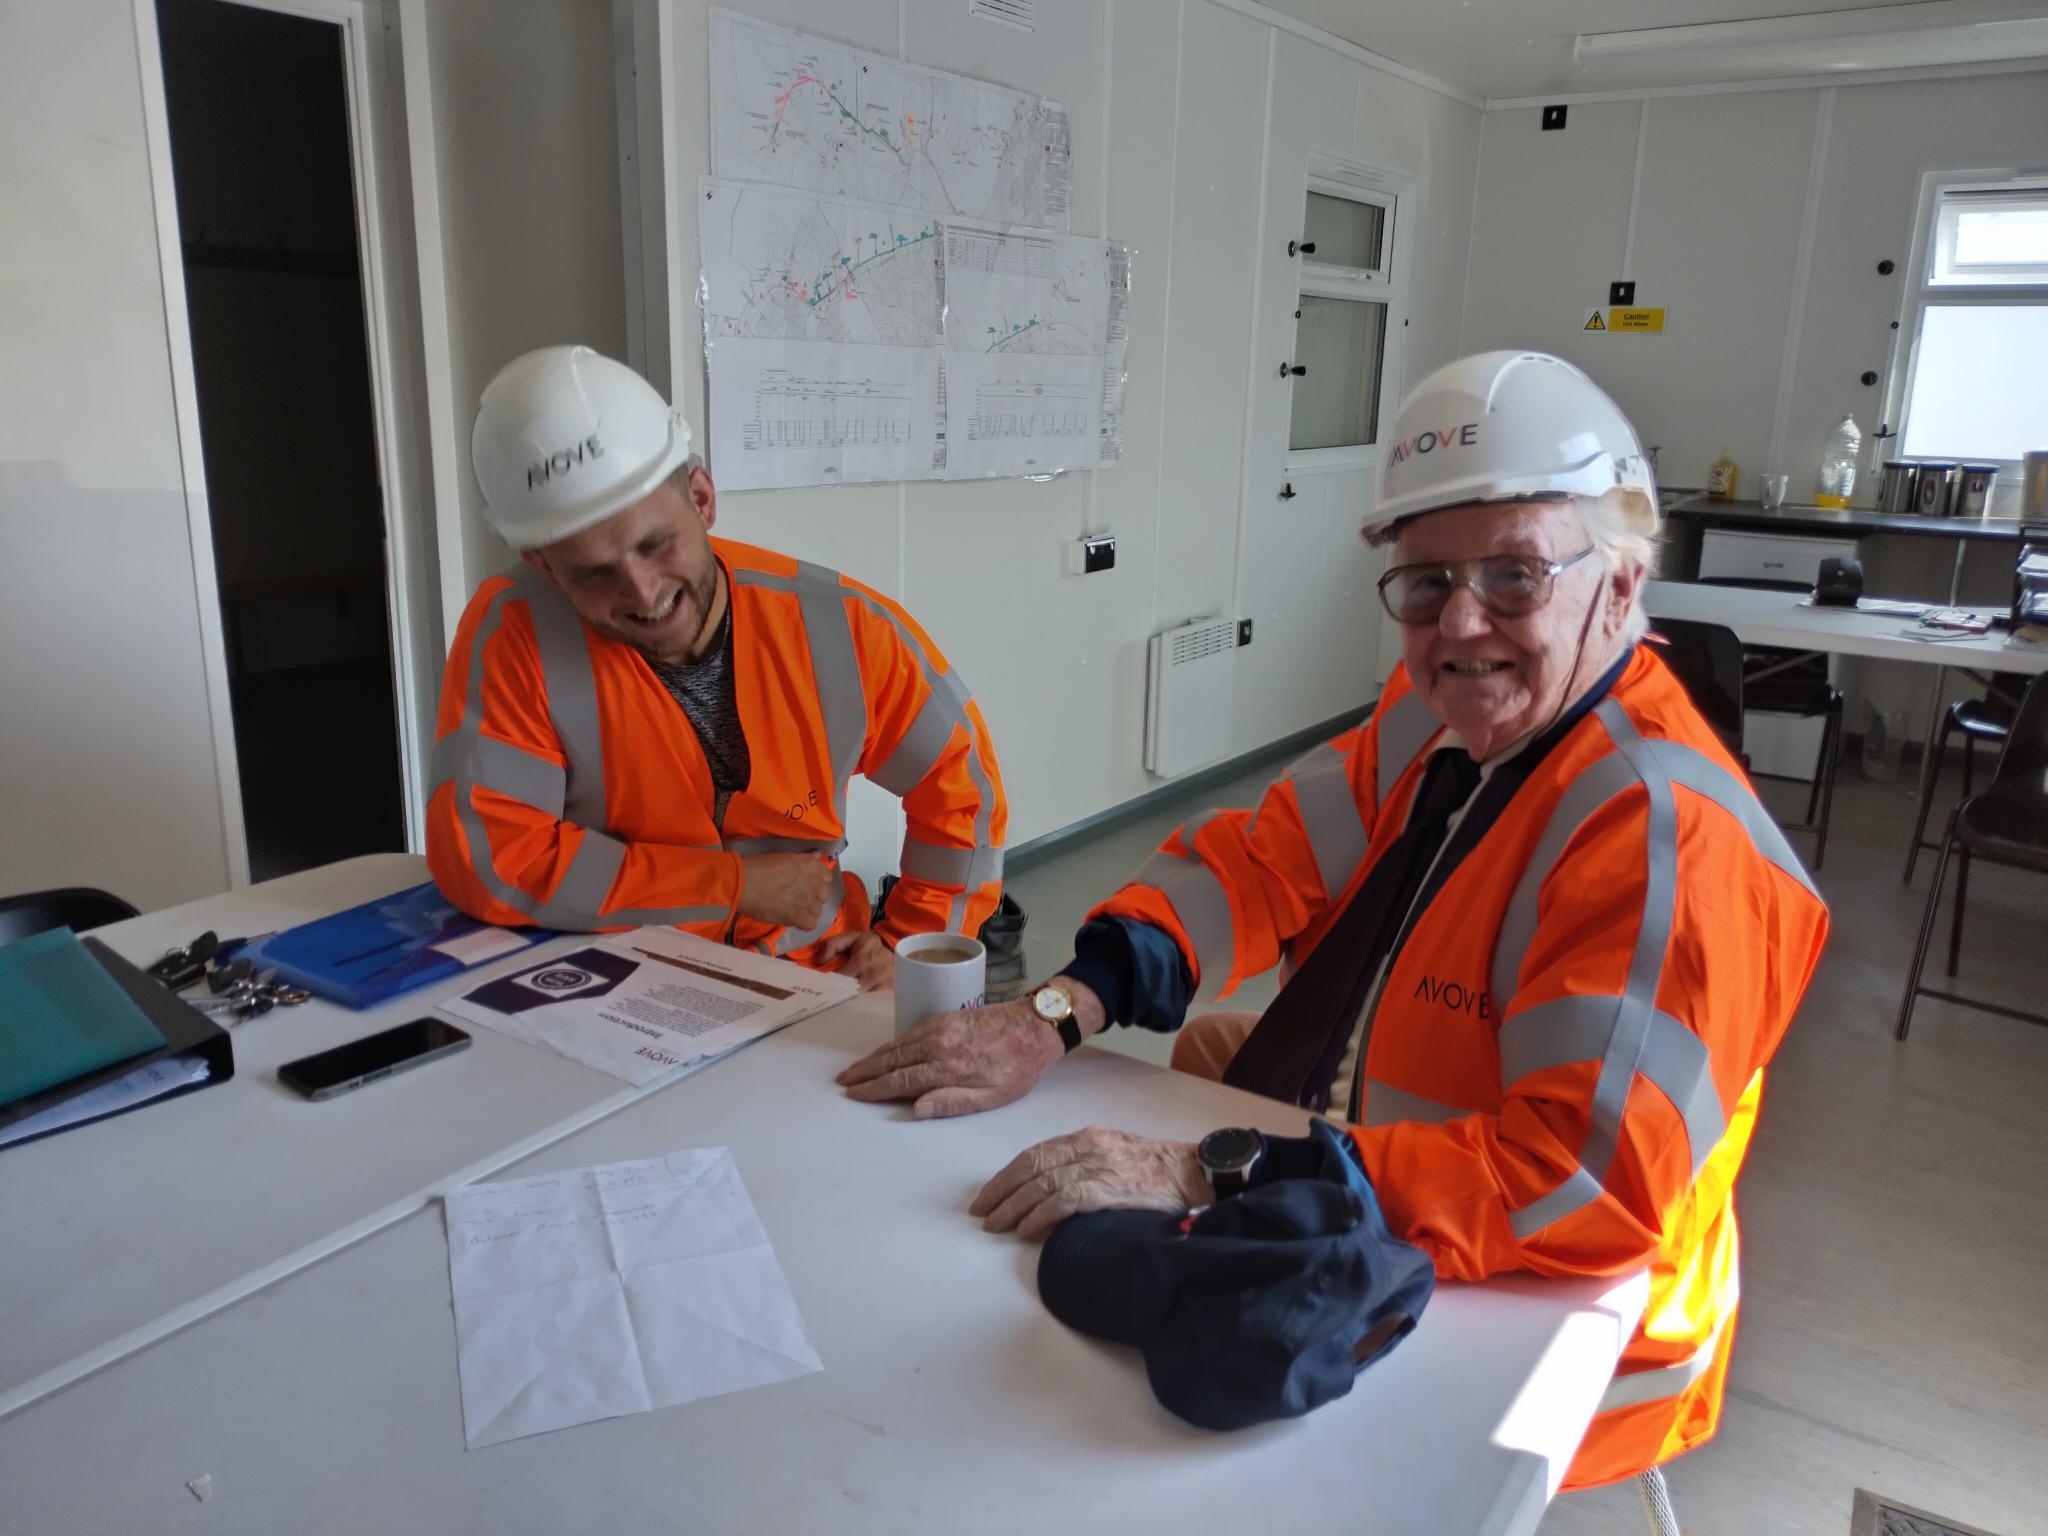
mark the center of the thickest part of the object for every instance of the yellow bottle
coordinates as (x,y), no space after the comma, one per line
(1721,478)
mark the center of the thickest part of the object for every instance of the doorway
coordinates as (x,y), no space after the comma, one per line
(261,159)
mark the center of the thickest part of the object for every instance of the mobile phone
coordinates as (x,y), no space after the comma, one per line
(325,1074)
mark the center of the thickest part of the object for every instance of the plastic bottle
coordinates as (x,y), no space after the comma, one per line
(1838,464)
(1721,477)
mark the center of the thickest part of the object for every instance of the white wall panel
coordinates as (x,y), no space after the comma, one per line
(1717,239)
(105,746)
(1216,170)
(1171,155)
(1313,106)
(1549,226)
(527,143)
(1726,185)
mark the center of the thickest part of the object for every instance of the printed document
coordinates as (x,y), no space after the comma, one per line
(641,1005)
(612,1290)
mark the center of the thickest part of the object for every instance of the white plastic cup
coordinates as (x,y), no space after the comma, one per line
(936,973)
(1771,491)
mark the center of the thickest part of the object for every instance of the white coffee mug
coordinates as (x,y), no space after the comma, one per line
(936,973)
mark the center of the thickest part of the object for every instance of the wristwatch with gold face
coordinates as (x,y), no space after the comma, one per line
(1055,1005)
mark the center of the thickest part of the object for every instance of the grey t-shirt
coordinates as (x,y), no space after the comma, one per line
(705,691)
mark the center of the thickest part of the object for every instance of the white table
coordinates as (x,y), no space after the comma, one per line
(950,1399)
(1785,618)
(119,1232)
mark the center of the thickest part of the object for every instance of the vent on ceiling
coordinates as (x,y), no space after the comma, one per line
(1021,14)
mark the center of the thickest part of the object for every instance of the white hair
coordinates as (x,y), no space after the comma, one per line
(1621,543)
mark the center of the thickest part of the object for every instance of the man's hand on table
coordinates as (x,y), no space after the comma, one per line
(865,958)
(964,1062)
(1091,1170)
(787,889)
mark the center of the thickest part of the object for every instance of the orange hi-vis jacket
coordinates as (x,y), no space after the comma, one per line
(1566,1055)
(570,790)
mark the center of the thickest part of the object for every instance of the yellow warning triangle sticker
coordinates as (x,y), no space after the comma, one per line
(1594,322)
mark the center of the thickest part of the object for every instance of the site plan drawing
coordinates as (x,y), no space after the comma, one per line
(800,112)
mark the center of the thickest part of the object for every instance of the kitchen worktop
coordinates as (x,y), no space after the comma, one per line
(1848,522)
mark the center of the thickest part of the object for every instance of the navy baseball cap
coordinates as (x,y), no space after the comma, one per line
(1262,1306)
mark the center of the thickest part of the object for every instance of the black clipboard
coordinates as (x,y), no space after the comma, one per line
(185,1030)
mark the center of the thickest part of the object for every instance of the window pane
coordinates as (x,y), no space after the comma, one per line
(1345,234)
(1977,389)
(2002,237)
(1337,402)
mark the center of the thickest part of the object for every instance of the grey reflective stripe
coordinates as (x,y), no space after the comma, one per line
(1385,1105)
(1578,1028)
(579,898)
(1596,784)
(942,865)
(1661,1381)
(572,700)
(1200,902)
(1653,939)
(912,758)
(919,750)
(1629,1015)
(1676,1060)
(747,846)
(1708,779)
(835,667)
(472,760)
(1575,1193)
(1593,788)
(588,880)
(1404,730)
(1329,815)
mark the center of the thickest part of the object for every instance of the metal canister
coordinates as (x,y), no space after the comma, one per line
(1973,489)
(2034,487)
(1934,489)
(1895,489)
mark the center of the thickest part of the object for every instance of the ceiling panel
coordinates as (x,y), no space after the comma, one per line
(1514,48)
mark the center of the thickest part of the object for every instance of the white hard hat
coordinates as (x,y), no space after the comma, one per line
(1508,426)
(564,438)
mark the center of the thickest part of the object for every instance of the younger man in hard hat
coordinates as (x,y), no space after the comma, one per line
(650,725)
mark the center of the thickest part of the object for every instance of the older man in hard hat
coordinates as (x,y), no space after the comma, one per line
(652,725)
(1539,937)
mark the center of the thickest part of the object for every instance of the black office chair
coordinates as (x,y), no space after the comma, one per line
(1988,720)
(1707,659)
(2007,824)
(77,907)
(1777,681)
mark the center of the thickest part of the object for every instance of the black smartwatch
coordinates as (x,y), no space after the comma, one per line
(1228,1158)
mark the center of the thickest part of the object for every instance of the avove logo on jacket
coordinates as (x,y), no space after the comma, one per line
(1455,996)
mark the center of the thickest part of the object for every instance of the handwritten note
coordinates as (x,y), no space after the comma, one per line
(612,1290)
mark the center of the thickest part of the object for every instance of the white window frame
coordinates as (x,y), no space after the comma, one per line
(1358,182)
(1922,290)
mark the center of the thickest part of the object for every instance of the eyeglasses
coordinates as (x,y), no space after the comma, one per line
(1507,586)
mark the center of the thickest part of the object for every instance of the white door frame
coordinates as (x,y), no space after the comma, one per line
(393,361)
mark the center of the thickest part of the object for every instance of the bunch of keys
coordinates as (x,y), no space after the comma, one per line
(241,992)
(187,963)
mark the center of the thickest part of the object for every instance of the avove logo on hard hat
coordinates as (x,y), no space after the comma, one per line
(1439,437)
(563,460)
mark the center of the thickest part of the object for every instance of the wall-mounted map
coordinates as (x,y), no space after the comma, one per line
(800,112)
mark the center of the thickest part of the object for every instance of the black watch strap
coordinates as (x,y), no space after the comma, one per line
(1070,1032)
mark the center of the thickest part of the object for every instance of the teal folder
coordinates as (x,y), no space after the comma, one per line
(62,1015)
